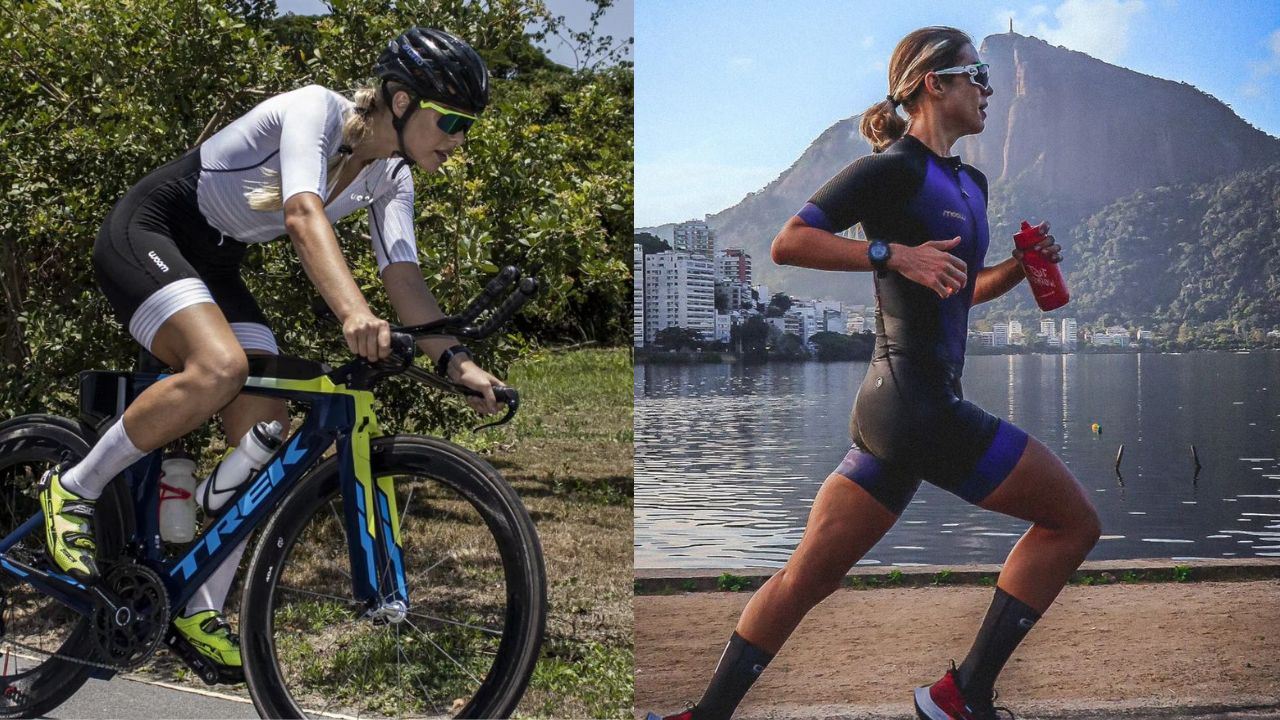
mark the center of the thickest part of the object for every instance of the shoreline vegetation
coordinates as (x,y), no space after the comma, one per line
(668,581)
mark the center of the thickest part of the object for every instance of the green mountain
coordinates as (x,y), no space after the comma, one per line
(1200,258)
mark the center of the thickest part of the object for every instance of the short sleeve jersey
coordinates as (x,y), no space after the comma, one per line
(909,195)
(295,134)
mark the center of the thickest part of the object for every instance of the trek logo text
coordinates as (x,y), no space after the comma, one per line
(236,515)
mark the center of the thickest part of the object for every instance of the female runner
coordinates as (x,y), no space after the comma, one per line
(925,214)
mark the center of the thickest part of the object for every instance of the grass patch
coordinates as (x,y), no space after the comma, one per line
(1182,573)
(582,680)
(942,577)
(569,454)
(728,582)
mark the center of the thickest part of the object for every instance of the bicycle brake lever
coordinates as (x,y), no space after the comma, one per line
(511,398)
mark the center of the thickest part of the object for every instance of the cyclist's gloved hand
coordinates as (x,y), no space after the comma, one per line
(931,265)
(367,335)
(465,372)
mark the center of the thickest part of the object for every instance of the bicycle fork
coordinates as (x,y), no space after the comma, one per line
(373,522)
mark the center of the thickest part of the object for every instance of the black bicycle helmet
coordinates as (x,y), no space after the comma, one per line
(435,66)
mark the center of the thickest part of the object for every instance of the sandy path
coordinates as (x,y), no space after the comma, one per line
(1109,649)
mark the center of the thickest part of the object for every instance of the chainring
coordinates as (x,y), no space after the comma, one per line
(128,635)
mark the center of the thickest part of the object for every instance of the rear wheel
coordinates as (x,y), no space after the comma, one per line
(475,580)
(36,627)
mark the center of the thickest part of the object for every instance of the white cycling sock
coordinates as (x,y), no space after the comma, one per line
(213,593)
(113,453)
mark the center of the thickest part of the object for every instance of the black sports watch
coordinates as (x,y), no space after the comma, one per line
(879,255)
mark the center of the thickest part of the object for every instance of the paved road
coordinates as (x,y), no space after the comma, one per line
(123,698)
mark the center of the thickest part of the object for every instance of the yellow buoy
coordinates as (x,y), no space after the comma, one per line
(1097,428)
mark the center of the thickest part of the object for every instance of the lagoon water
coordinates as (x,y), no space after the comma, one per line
(728,458)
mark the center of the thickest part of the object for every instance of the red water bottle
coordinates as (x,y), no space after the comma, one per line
(1047,285)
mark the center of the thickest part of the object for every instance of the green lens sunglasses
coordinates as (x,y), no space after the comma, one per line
(451,121)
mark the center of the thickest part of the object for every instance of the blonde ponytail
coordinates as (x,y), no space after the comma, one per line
(916,55)
(881,124)
(355,129)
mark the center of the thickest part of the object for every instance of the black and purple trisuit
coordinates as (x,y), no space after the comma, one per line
(910,421)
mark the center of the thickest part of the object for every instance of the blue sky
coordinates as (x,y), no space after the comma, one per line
(728,94)
(616,22)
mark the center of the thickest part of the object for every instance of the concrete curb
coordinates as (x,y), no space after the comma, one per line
(665,581)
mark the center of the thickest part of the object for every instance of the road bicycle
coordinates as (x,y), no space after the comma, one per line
(397,575)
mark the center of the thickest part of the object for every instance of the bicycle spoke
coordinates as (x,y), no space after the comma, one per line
(300,591)
(343,527)
(436,564)
(490,631)
(404,511)
(444,652)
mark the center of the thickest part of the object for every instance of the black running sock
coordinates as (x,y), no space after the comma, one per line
(1008,621)
(739,667)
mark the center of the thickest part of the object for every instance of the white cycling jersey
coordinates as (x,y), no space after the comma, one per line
(295,134)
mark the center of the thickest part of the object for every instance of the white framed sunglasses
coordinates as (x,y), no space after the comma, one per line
(979,73)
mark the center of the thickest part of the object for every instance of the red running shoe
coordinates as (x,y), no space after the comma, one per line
(686,715)
(944,701)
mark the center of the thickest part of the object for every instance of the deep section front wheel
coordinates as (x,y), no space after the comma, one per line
(469,637)
(43,644)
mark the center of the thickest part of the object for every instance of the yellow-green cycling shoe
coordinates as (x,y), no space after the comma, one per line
(68,528)
(209,634)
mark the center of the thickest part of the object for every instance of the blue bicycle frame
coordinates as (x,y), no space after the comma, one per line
(337,413)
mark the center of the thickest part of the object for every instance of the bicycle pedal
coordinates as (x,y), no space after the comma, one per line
(207,670)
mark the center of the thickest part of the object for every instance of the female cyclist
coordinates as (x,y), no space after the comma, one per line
(925,214)
(168,258)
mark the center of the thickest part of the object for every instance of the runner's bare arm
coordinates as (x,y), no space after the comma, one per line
(997,280)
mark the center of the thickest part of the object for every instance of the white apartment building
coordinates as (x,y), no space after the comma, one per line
(836,321)
(637,295)
(1104,339)
(1068,334)
(723,324)
(694,237)
(1000,334)
(679,291)
(734,265)
(736,295)
(1048,329)
(763,292)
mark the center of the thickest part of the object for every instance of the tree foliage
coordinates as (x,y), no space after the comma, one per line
(93,96)
(1200,261)
(837,346)
(650,244)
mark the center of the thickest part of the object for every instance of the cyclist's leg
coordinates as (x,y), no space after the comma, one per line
(196,340)
(249,325)
(855,507)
